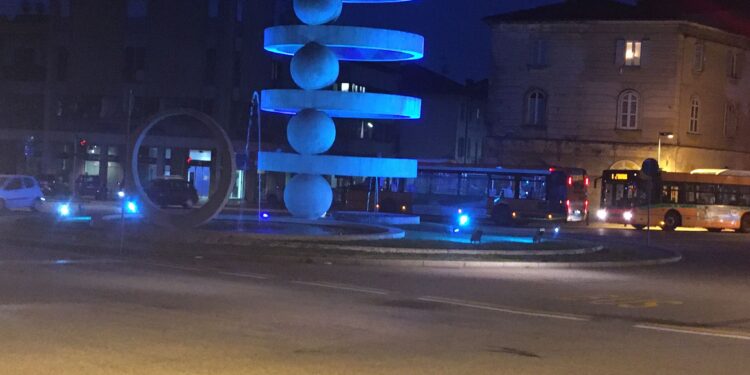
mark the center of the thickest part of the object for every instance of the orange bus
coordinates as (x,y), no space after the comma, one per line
(711,199)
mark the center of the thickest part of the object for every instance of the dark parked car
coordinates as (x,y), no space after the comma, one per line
(91,186)
(53,186)
(172,191)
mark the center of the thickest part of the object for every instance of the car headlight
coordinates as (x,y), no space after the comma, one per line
(627,215)
(601,214)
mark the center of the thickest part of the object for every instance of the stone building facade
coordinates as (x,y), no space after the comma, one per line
(597,91)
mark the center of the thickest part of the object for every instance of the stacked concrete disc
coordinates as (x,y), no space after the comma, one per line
(317,48)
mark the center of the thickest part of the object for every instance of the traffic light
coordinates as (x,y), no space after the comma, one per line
(82,146)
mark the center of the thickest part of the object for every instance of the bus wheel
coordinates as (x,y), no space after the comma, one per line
(638,226)
(745,226)
(714,230)
(672,220)
(501,215)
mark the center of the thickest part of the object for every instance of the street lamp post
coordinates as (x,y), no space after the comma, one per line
(669,135)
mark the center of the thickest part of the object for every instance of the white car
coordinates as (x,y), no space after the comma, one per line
(17,191)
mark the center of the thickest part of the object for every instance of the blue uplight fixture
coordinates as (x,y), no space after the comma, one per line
(265,215)
(64,210)
(131,207)
(463,220)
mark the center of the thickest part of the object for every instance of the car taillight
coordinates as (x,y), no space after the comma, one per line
(586,181)
(570,181)
(586,206)
(567,204)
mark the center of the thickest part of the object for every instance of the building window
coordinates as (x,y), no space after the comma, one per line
(538,53)
(210,69)
(695,106)
(137,8)
(536,107)
(213,8)
(64,8)
(730,120)
(733,65)
(699,56)
(240,10)
(627,112)
(135,64)
(632,53)
(62,64)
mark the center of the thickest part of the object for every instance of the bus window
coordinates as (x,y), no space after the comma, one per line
(729,195)
(502,187)
(706,194)
(422,183)
(670,193)
(744,196)
(689,193)
(473,185)
(444,184)
(533,187)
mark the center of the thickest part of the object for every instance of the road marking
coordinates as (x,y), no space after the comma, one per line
(696,331)
(181,268)
(245,275)
(507,310)
(625,302)
(58,262)
(350,288)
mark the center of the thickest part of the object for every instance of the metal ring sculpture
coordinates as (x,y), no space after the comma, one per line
(317,48)
(216,200)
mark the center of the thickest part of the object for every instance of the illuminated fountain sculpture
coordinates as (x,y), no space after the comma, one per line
(317,48)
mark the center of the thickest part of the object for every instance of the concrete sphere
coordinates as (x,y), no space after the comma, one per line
(318,12)
(311,132)
(314,67)
(308,196)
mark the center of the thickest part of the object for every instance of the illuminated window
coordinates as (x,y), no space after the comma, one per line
(536,107)
(349,87)
(699,56)
(695,106)
(632,53)
(627,110)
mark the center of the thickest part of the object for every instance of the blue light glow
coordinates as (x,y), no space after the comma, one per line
(63,210)
(456,230)
(121,194)
(131,207)
(265,215)
(464,220)
(342,104)
(348,43)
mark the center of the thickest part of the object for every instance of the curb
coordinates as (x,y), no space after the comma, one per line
(499,264)
(333,259)
(403,250)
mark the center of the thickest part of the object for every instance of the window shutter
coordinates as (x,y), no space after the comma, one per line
(740,64)
(730,55)
(620,52)
(645,53)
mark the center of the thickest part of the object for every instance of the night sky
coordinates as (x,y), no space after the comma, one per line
(458,42)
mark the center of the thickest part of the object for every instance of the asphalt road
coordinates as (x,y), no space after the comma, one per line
(64,314)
